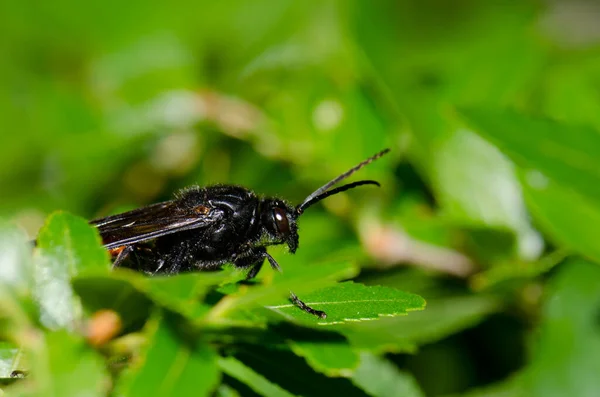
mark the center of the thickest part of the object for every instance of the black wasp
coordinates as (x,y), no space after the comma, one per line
(206,227)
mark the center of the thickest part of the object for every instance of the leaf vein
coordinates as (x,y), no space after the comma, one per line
(337,303)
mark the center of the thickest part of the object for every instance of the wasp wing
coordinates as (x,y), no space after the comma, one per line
(153,221)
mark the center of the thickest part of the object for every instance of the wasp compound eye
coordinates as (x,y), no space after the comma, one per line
(281,221)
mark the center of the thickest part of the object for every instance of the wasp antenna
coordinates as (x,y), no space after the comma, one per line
(331,192)
(323,192)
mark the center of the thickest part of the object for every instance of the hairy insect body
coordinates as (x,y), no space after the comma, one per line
(203,228)
(234,234)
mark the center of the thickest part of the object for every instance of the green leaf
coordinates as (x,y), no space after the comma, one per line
(567,80)
(10,357)
(564,357)
(183,293)
(560,172)
(225,390)
(236,369)
(16,282)
(511,387)
(64,365)
(16,265)
(568,217)
(70,240)
(477,187)
(299,279)
(328,357)
(442,318)
(380,378)
(173,365)
(292,373)
(15,316)
(132,294)
(563,153)
(118,291)
(472,181)
(351,301)
(67,245)
(511,270)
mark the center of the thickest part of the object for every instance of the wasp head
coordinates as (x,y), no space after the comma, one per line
(279,220)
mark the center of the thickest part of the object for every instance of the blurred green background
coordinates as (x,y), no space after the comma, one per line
(487,209)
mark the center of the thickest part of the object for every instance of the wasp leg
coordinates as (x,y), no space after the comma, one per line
(176,263)
(305,307)
(255,269)
(272,262)
(254,260)
(125,252)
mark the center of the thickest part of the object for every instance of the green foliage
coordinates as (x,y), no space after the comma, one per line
(183,334)
(170,366)
(563,153)
(568,338)
(255,381)
(381,378)
(491,194)
(68,366)
(349,301)
(66,247)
